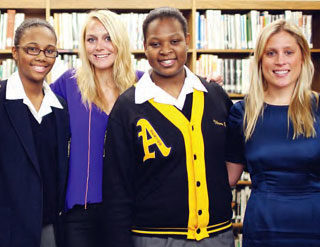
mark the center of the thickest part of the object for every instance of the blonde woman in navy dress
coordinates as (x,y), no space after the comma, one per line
(275,133)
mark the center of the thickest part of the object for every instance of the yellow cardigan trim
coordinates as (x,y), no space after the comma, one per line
(195,162)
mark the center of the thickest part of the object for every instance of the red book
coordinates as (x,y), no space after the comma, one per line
(10,27)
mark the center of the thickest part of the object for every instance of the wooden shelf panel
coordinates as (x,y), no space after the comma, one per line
(22,4)
(118,4)
(242,182)
(236,96)
(237,225)
(258,4)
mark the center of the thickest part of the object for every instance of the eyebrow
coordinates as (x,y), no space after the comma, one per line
(34,43)
(173,35)
(274,48)
(89,34)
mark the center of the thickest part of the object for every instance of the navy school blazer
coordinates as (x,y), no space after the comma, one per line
(21,188)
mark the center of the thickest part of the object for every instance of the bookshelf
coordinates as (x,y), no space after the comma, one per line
(240,195)
(46,8)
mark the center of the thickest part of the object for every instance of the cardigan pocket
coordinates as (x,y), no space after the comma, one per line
(5,227)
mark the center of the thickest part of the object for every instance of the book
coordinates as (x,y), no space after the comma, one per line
(10,27)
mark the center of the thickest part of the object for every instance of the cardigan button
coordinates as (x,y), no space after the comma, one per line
(198,183)
(200,212)
(198,231)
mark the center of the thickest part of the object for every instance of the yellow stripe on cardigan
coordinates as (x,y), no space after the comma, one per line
(172,232)
(195,162)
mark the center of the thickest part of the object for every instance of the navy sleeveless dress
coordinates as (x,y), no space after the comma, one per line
(284,206)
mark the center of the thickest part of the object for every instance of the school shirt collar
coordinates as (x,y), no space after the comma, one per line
(146,89)
(16,91)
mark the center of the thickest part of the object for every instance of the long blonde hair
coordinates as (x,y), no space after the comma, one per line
(123,73)
(300,111)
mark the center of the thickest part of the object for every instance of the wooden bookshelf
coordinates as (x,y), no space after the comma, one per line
(45,8)
(258,4)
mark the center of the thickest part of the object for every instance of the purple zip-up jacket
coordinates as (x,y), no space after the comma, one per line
(85,177)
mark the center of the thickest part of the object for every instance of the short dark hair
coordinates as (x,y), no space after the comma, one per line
(164,12)
(28,23)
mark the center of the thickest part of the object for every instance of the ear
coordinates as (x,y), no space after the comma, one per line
(145,48)
(14,53)
(188,40)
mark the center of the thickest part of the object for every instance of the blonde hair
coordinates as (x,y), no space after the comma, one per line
(300,111)
(123,73)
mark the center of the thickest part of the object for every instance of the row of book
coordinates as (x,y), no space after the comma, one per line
(215,30)
(234,71)
(238,240)
(9,21)
(68,27)
(240,197)
(7,67)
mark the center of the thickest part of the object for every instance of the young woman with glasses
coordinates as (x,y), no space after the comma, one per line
(34,130)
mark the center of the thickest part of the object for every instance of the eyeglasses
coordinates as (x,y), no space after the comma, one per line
(35,51)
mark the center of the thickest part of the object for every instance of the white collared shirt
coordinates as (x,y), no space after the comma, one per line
(146,89)
(16,91)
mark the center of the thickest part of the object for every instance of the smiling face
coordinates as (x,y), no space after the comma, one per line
(100,50)
(166,48)
(34,68)
(281,61)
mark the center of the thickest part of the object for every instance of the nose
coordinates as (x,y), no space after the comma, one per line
(281,59)
(166,49)
(100,44)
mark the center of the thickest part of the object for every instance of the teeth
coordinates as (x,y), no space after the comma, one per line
(167,61)
(39,68)
(281,72)
(101,56)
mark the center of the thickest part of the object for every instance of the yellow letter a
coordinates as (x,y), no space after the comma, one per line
(154,139)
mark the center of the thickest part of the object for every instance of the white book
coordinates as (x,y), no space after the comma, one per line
(309,30)
(4,31)
(75,30)
(245,75)
(233,33)
(238,76)
(237,28)
(1,30)
(243,19)
(197,23)
(209,27)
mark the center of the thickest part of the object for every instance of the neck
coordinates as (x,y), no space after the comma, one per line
(34,93)
(172,85)
(278,96)
(105,79)
(108,90)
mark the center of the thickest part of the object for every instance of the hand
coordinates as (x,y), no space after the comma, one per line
(214,77)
